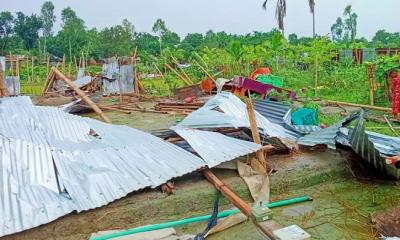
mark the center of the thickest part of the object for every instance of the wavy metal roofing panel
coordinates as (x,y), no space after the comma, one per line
(326,136)
(216,148)
(29,193)
(227,110)
(53,163)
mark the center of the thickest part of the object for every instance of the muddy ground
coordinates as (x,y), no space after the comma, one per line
(341,209)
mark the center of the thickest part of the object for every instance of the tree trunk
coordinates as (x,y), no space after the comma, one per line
(314,24)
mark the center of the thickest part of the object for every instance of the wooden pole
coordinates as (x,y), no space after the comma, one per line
(229,194)
(3,85)
(259,164)
(180,76)
(33,76)
(204,70)
(360,105)
(82,94)
(316,77)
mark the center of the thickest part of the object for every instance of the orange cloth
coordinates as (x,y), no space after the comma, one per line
(260,71)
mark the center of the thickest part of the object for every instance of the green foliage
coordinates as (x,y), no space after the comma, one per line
(384,65)
(27,28)
(6,28)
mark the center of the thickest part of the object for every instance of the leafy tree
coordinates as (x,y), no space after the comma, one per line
(27,28)
(117,40)
(386,39)
(337,30)
(192,42)
(293,39)
(350,23)
(147,43)
(6,29)
(72,37)
(48,19)
(170,39)
(68,15)
(160,29)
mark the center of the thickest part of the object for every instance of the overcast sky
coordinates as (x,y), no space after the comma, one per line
(232,16)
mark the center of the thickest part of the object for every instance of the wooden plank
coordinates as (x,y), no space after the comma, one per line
(82,94)
(115,109)
(268,227)
(259,164)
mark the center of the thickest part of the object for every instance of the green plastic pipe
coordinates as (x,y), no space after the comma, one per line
(195,219)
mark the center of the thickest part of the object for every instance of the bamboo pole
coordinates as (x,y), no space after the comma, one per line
(33,76)
(204,70)
(360,105)
(3,85)
(82,94)
(180,76)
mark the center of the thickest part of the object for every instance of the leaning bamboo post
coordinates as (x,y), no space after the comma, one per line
(204,70)
(360,105)
(81,94)
(260,164)
(180,76)
(3,85)
(12,70)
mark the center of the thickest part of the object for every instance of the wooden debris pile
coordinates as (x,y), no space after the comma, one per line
(178,106)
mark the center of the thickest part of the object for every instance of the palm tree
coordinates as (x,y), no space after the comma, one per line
(311,4)
(280,13)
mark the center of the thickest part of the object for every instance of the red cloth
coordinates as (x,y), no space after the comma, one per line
(396,96)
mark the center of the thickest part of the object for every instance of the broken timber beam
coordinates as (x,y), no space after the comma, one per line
(232,197)
(260,164)
(82,94)
(360,105)
(267,227)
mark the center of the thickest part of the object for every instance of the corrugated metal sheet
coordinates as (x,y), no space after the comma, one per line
(82,81)
(216,148)
(326,136)
(10,85)
(53,163)
(118,78)
(29,193)
(365,147)
(227,110)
